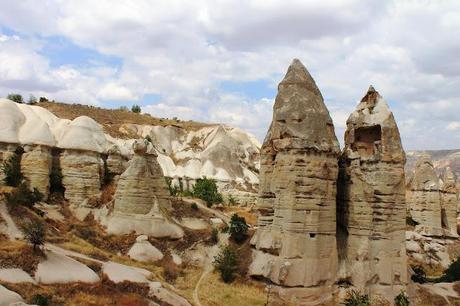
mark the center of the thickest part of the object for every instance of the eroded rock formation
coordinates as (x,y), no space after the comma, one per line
(141,196)
(449,201)
(36,165)
(371,203)
(296,242)
(425,201)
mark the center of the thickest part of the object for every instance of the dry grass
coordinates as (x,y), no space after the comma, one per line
(213,291)
(104,293)
(184,209)
(17,254)
(113,119)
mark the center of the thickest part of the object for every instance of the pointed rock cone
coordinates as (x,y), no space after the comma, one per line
(371,200)
(295,244)
(449,201)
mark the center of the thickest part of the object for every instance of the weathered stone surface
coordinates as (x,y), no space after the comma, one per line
(295,243)
(141,196)
(36,166)
(449,201)
(6,151)
(371,203)
(80,175)
(144,251)
(425,200)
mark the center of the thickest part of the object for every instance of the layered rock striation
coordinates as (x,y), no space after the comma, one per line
(449,201)
(425,200)
(141,196)
(371,205)
(295,245)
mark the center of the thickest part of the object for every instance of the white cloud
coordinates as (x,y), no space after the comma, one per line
(182,50)
(454,125)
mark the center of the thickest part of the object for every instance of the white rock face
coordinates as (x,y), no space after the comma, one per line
(36,166)
(449,201)
(144,251)
(60,269)
(119,273)
(15,276)
(8,297)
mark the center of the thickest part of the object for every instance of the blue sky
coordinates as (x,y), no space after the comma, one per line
(221,62)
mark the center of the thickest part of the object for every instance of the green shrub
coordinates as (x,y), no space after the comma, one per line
(12,169)
(42,99)
(124,108)
(136,109)
(206,189)
(40,300)
(402,299)
(108,175)
(419,275)
(32,99)
(173,190)
(194,206)
(15,97)
(214,236)
(34,232)
(452,274)
(238,228)
(226,262)
(355,298)
(23,196)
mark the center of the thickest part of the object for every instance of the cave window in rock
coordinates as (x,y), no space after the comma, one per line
(367,140)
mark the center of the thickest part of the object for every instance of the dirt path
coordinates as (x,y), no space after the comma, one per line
(208,266)
(8,227)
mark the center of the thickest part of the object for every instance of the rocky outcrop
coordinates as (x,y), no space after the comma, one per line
(144,251)
(425,200)
(371,205)
(36,165)
(295,245)
(80,175)
(141,196)
(449,201)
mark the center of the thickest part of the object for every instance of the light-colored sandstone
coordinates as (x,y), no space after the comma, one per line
(80,175)
(36,166)
(425,199)
(142,197)
(449,201)
(371,206)
(296,241)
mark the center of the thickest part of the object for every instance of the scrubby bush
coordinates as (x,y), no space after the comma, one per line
(32,99)
(356,298)
(410,221)
(12,169)
(173,190)
(23,196)
(194,206)
(238,228)
(123,108)
(226,262)
(40,300)
(34,232)
(402,299)
(15,97)
(136,109)
(452,274)
(206,189)
(148,138)
(42,99)
(419,275)
(108,175)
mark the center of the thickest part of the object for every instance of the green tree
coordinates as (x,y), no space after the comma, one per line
(32,99)
(238,228)
(15,98)
(206,189)
(402,299)
(136,109)
(12,169)
(452,274)
(23,196)
(355,298)
(35,232)
(43,99)
(226,262)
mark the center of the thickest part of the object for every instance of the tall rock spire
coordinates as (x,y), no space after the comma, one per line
(295,245)
(371,204)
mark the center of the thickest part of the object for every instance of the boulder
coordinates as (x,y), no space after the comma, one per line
(144,251)
(296,239)
(8,297)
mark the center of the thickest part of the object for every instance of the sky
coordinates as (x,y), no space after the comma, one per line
(220,61)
